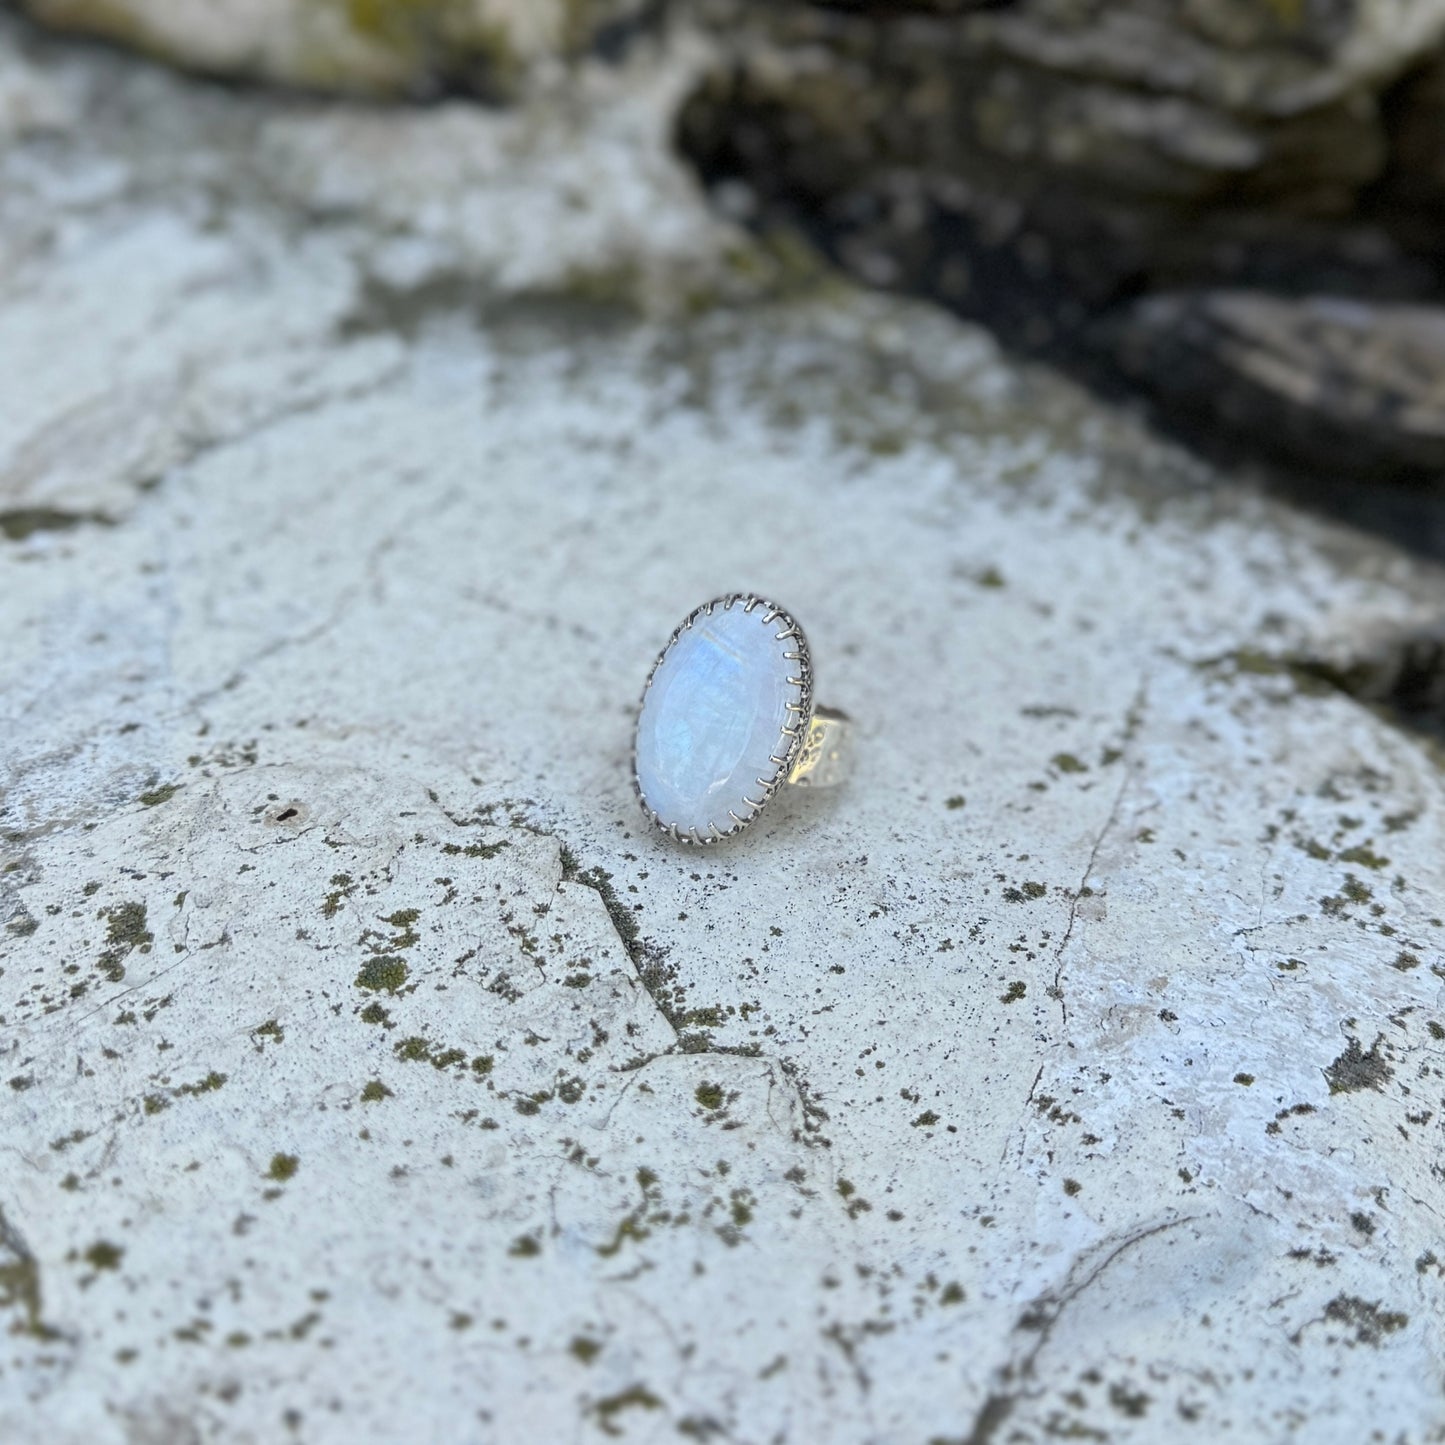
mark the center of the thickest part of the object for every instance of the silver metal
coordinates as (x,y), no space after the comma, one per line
(814,752)
(823,760)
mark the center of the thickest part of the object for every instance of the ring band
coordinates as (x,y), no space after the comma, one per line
(823,759)
(727,718)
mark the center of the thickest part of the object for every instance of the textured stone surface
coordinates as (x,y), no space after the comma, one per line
(1039,164)
(1343,384)
(371,1071)
(1033,165)
(488,47)
(715,719)
(1098,130)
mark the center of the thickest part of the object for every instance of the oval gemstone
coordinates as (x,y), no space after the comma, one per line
(713,717)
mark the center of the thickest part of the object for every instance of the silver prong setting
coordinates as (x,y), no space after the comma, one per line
(791,736)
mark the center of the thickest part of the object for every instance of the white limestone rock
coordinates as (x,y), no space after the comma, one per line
(447,202)
(373,1070)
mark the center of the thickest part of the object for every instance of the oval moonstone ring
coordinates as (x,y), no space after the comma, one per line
(727,718)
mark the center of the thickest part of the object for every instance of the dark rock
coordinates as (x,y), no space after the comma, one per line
(1413,189)
(1136,143)
(1042,164)
(1332,382)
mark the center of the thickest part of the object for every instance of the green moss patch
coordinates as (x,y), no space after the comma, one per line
(126,932)
(384,973)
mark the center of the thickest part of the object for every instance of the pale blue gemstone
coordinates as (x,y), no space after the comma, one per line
(713,719)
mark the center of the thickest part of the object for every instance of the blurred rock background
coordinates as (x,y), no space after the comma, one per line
(1178,196)
(1233,207)
(401,48)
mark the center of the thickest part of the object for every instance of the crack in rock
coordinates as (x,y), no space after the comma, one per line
(1039,1318)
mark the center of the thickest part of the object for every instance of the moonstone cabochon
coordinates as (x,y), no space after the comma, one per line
(723,716)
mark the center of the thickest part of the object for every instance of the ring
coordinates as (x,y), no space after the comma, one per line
(727,718)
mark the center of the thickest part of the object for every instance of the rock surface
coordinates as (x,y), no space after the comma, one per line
(1345,384)
(487,47)
(1038,164)
(373,1072)
(1131,143)
(1033,165)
